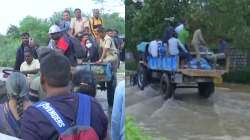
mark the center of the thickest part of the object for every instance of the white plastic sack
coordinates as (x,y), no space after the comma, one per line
(153,48)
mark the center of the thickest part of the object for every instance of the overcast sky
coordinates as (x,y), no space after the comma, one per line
(13,11)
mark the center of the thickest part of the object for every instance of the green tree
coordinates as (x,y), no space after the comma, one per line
(216,18)
(38,28)
(13,32)
(114,21)
(147,20)
(57,16)
(224,18)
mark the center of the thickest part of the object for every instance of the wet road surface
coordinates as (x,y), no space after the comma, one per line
(224,116)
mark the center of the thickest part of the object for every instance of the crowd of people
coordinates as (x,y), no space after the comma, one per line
(49,99)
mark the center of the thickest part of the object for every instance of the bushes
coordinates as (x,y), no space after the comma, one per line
(239,76)
(133,132)
(131,65)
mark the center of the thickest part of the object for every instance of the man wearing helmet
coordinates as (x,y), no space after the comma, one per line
(62,43)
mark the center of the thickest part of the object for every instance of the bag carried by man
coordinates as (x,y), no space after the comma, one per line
(81,131)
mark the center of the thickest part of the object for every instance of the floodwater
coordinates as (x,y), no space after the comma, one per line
(224,116)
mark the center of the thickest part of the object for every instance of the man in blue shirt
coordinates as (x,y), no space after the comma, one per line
(118,113)
(65,23)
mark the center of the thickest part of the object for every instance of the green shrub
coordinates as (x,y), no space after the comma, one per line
(133,132)
(131,65)
(239,76)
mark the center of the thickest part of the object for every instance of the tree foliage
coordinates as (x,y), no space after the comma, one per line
(57,16)
(38,28)
(114,21)
(13,31)
(216,18)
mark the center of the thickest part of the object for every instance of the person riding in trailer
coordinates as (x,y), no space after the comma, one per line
(175,47)
(90,51)
(95,22)
(109,51)
(63,44)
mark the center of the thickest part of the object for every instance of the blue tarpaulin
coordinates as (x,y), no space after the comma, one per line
(168,63)
(142,47)
(202,64)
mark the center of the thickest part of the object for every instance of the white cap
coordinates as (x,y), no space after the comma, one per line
(54,29)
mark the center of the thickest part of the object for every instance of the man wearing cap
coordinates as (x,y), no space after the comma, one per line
(62,43)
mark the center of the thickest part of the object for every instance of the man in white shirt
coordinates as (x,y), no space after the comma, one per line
(30,66)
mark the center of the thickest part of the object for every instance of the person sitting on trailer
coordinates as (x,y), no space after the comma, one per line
(90,50)
(63,44)
(95,22)
(109,55)
(109,51)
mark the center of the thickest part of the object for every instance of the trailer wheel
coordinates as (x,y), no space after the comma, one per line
(166,88)
(206,89)
(141,77)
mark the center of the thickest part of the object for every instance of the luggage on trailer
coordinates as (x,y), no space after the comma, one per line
(153,48)
(142,47)
(202,64)
(169,63)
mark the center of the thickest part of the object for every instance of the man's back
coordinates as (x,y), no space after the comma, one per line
(35,126)
(173,46)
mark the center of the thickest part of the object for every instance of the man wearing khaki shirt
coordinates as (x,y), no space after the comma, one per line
(78,23)
(109,51)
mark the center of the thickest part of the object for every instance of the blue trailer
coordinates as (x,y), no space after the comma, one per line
(170,74)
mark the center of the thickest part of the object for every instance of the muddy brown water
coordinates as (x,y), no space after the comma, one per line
(224,116)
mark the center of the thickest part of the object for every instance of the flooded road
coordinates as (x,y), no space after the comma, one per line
(224,116)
